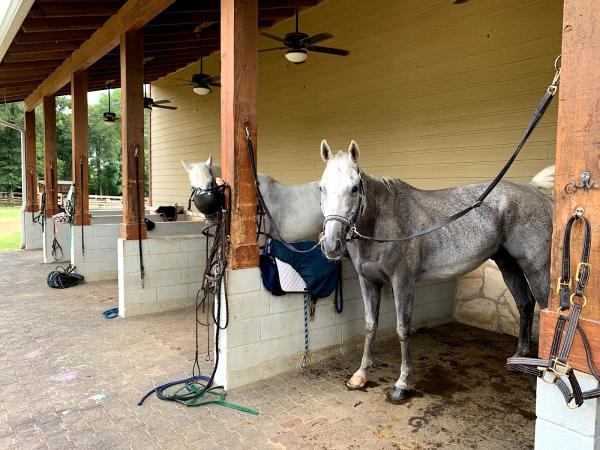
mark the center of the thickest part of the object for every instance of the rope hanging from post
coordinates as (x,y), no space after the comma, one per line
(139,212)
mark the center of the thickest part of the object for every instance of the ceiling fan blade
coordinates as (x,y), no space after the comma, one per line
(316,38)
(215,84)
(160,102)
(329,50)
(165,106)
(186,84)
(215,78)
(272,36)
(271,49)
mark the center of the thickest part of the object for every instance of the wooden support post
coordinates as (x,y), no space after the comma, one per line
(50,159)
(239,79)
(578,150)
(132,132)
(80,168)
(31,185)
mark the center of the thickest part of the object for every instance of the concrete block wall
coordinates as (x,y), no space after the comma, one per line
(33,232)
(484,301)
(98,261)
(62,233)
(174,266)
(265,336)
(557,427)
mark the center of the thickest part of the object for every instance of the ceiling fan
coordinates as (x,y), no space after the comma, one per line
(110,118)
(298,44)
(201,82)
(150,103)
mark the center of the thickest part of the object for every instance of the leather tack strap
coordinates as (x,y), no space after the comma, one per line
(582,275)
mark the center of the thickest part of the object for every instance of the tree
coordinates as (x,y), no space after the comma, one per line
(10,149)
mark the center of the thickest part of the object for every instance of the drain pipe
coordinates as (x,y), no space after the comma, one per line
(24,192)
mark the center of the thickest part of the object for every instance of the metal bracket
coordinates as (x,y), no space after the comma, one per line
(585,183)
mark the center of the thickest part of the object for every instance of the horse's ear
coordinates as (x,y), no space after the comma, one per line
(209,161)
(185,166)
(353,150)
(325,150)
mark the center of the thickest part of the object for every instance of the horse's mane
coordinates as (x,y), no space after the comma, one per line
(392,185)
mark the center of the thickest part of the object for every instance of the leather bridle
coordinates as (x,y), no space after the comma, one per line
(556,368)
(350,222)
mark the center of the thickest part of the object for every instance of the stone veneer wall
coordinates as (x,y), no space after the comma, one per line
(265,336)
(173,265)
(484,301)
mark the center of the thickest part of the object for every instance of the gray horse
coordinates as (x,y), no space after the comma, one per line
(295,209)
(513,227)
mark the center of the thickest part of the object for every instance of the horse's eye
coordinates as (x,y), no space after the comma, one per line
(355,189)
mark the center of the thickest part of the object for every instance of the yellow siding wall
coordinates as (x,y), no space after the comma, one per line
(434,93)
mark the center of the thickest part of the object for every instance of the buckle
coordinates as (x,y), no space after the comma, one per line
(560,283)
(557,369)
(580,267)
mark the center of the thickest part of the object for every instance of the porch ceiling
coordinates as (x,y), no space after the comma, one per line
(53,29)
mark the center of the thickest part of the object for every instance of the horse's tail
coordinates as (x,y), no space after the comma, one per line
(544,178)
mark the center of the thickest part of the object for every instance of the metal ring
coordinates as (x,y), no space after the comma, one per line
(580,304)
(572,407)
(558,62)
(559,311)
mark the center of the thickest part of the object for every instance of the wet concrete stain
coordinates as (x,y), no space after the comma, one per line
(439,380)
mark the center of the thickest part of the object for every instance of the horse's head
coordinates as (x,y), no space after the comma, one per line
(207,188)
(341,200)
(201,174)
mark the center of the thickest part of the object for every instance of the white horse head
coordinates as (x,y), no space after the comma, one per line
(340,196)
(201,174)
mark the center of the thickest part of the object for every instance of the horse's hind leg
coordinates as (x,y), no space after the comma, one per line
(371,293)
(517,284)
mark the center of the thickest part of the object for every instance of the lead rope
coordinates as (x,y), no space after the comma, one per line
(305,355)
(139,213)
(536,117)
(557,366)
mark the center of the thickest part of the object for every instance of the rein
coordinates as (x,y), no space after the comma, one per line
(536,117)
(262,204)
(138,213)
(557,367)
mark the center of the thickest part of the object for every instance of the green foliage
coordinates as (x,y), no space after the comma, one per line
(104,145)
(10,148)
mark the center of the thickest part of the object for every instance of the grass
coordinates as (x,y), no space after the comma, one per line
(10,228)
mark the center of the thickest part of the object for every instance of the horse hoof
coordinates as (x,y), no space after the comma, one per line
(356,382)
(397,396)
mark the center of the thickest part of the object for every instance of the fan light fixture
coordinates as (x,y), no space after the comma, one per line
(201,90)
(296,56)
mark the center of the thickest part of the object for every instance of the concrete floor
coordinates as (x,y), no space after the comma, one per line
(69,378)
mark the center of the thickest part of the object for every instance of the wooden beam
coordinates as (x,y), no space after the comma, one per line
(71,9)
(50,36)
(39,47)
(31,184)
(79,158)
(50,159)
(29,65)
(36,56)
(59,24)
(131,17)
(577,150)
(239,80)
(132,133)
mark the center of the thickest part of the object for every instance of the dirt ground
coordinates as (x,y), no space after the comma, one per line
(71,379)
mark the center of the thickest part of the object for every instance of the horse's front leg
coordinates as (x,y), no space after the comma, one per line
(371,293)
(403,298)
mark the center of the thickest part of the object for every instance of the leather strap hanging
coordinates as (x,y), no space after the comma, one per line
(139,212)
(556,368)
(81,203)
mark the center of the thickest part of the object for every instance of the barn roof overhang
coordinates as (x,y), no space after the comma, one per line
(46,40)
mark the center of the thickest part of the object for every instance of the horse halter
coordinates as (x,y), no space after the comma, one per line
(209,201)
(350,222)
